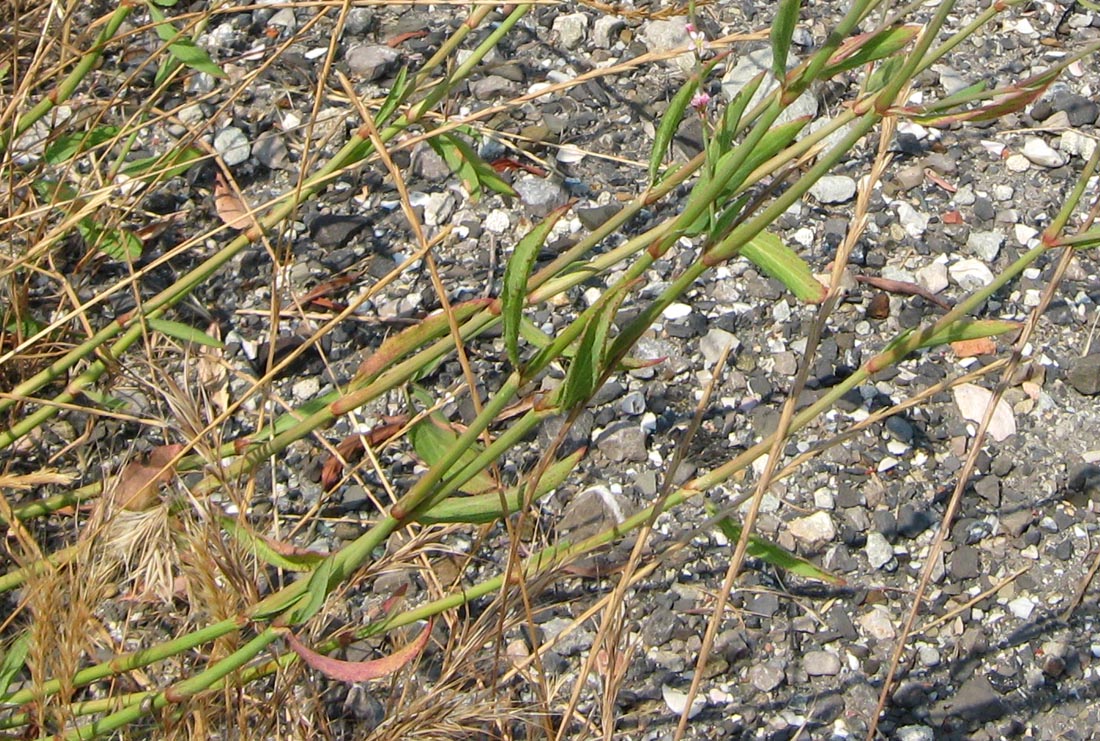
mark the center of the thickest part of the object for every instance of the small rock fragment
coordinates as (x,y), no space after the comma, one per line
(815,528)
(233,146)
(570,28)
(972,401)
(1084,375)
(821,663)
(676,701)
(1040,153)
(971,274)
(372,62)
(834,189)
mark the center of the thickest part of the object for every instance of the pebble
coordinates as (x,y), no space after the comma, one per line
(438,209)
(933,277)
(821,664)
(233,146)
(661,36)
(834,189)
(606,29)
(971,274)
(271,151)
(332,231)
(878,623)
(623,442)
(909,177)
(570,28)
(815,528)
(541,195)
(676,311)
(715,342)
(915,733)
(985,245)
(1084,375)
(878,550)
(972,401)
(767,676)
(491,87)
(914,222)
(1022,607)
(497,221)
(1077,144)
(1040,153)
(371,62)
(1017,163)
(591,512)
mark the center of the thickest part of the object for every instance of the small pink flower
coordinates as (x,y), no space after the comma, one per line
(698,38)
(699,101)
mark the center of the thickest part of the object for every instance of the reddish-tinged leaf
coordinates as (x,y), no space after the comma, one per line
(328,288)
(401,38)
(351,449)
(138,485)
(503,164)
(360,671)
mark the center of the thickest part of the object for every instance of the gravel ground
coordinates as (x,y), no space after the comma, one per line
(793,659)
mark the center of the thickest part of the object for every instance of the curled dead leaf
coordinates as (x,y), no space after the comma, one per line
(137,487)
(230,206)
(360,671)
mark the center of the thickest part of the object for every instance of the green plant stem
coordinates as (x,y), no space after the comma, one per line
(68,86)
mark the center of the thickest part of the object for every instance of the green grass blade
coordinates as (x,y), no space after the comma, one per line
(513,295)
(768,253)
(970,329)
(14,659)
(786,17)
(864,48)
(68,146)
(183,48)
(183,332)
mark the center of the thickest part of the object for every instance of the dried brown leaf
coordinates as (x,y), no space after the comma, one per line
(360,671)
(230,206)
(138,485)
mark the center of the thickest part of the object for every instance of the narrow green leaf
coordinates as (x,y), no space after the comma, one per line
(183,332)
(164,166)
(513,296)
(118,243)
(470,168)
(487,507)
(111,403)
(183,48)
(588,362)
(786,17)
(14,660)
(869,47)
(970,329)
(297,560)
(166,3)
(768,253)
(315,595)
(771,553)
(393,98)
(731,117)
(670,122)
(70,145)
(433,438)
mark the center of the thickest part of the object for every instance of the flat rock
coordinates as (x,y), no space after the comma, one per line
(985,245)
(834,189)
(233,146)
(570,28)
(767,676)
(971,273)
(815,528)
(972,401)
(336,230)
(370,62)
(821,663)
(541,195)
(623,442)
(1040,153)
(661,36)
(1084,375)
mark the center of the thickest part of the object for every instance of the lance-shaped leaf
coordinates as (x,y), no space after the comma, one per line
(730,123)
(183,48)
(869,47)
(513,296)
(393,98)
(120,244)
(271,551)
(14,659)
(433,439)
(70,145)
(475,173)
(786,17)
(485,508)
(360,671)
(315,594)
(183,332)
(771,553)
(430,328)
(164,166)
(970,329)
(588,362)
(768,253)
(1011,101)
(670,122)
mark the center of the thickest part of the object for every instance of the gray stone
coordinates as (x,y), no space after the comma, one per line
(909,177)
(752,64)
(331,231)
(570,28)
(977,701)
(964,563)
(933,277)
(1077,144)
(542,195)
(491,87)
(439,208)
(985,245)
(815,528)
(372,62)
(715,342)
(591,512)
(271,151)
(914,222)
(594,217)
(233,146)
(662,36)
(821,664)
(1040,153)
(834,189)
(767,676)
(915,733)
(1084,375)
(878,550)
(623,442)
(971,274)
(428,164)
(606,29)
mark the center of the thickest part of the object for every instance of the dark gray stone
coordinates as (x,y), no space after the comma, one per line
(372,62)
(1084,375)
(336,230)
(623,442)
